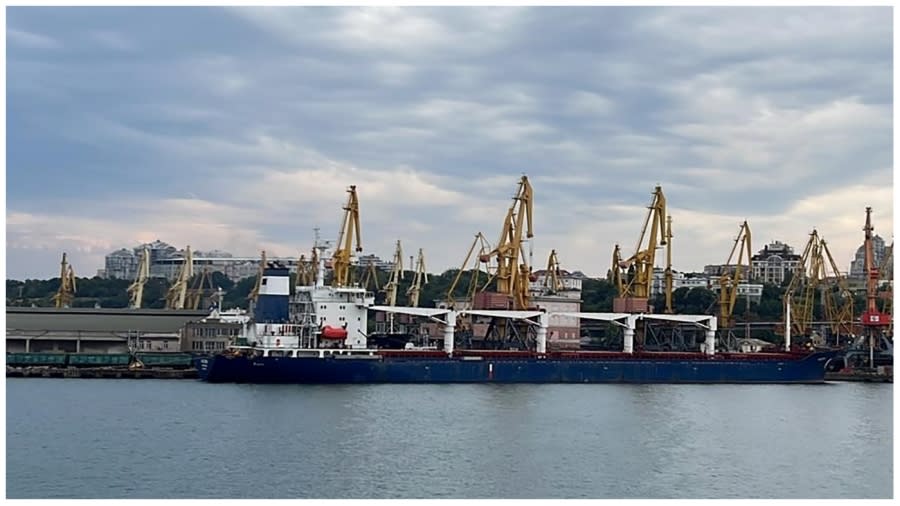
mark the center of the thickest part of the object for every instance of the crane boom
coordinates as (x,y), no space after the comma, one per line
(421,277)
(512,269)
(136,290)
(66,293)
(728,283)
(349,230)
(177,295)
(390,288)
(636,272)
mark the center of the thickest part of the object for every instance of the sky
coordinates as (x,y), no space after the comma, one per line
(241,128)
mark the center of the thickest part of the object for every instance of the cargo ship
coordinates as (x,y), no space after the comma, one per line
(319,336)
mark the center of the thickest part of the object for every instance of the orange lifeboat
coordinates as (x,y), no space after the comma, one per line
(329,332)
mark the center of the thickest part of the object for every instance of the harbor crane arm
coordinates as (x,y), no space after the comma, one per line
(393,283)
(552,282)
(177,295)
(66,293)
(728,283)
(512,269)
(350,229)
(421,277)
(473,282)
(136,290)
(254,294)
(640,265)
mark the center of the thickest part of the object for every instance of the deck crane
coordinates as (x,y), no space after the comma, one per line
(136,290)
(349,229)
(419,280)
(177,294)
(254,294)
(475,279)
(633,276)
(66,293)
(512,271)
(552,283)
(729,281)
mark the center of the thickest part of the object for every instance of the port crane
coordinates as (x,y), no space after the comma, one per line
(177,294)
(512,271)
(886,272)
(136,289)
(874,321)
(475,271)
(419,280)
(203,285)
(633,276)
(370,277)
(66,293)
(254,293)
(730,279)
(390,288)
(817,272)
(306,270)
(552,284)
(350,229)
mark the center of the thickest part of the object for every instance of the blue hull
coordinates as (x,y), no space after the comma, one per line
(224,369)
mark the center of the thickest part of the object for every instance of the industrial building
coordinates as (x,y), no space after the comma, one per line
(774,263)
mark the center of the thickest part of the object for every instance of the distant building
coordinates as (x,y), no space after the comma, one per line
(774,263)
(365,260)
(120,264)
(695,280)
(858,264)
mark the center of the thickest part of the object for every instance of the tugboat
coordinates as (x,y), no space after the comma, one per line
(320,337)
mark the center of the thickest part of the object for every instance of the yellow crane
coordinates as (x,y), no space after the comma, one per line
(390,288)
(420,279)
(474,281)
(886,272)
(306,269)
(370,276)
(810,277)
(136,289)
(196,293)
(633,276)
(512,271)
(66,293)
(340,261)
(667,289)
(176,297)
(254,294)
(552,283)
(728,281)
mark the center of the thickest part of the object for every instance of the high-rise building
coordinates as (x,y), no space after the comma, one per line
(858,264)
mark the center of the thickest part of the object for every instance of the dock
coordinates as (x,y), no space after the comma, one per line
(100,372)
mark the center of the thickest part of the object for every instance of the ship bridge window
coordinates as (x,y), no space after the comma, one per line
(264,280)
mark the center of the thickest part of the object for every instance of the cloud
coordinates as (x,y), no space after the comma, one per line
(265,116)
(31,40)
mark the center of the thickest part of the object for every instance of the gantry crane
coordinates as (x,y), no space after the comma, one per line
(419,280)
(254,293)
(552,283)
(136,289)
(340,261)
(512,271)
(729,280)
(66,293)
(668,276)
(633,276)
(177,294)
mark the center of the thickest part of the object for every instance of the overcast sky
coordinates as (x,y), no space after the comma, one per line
(239,129)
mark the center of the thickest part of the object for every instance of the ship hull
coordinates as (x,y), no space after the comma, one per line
(394,369)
